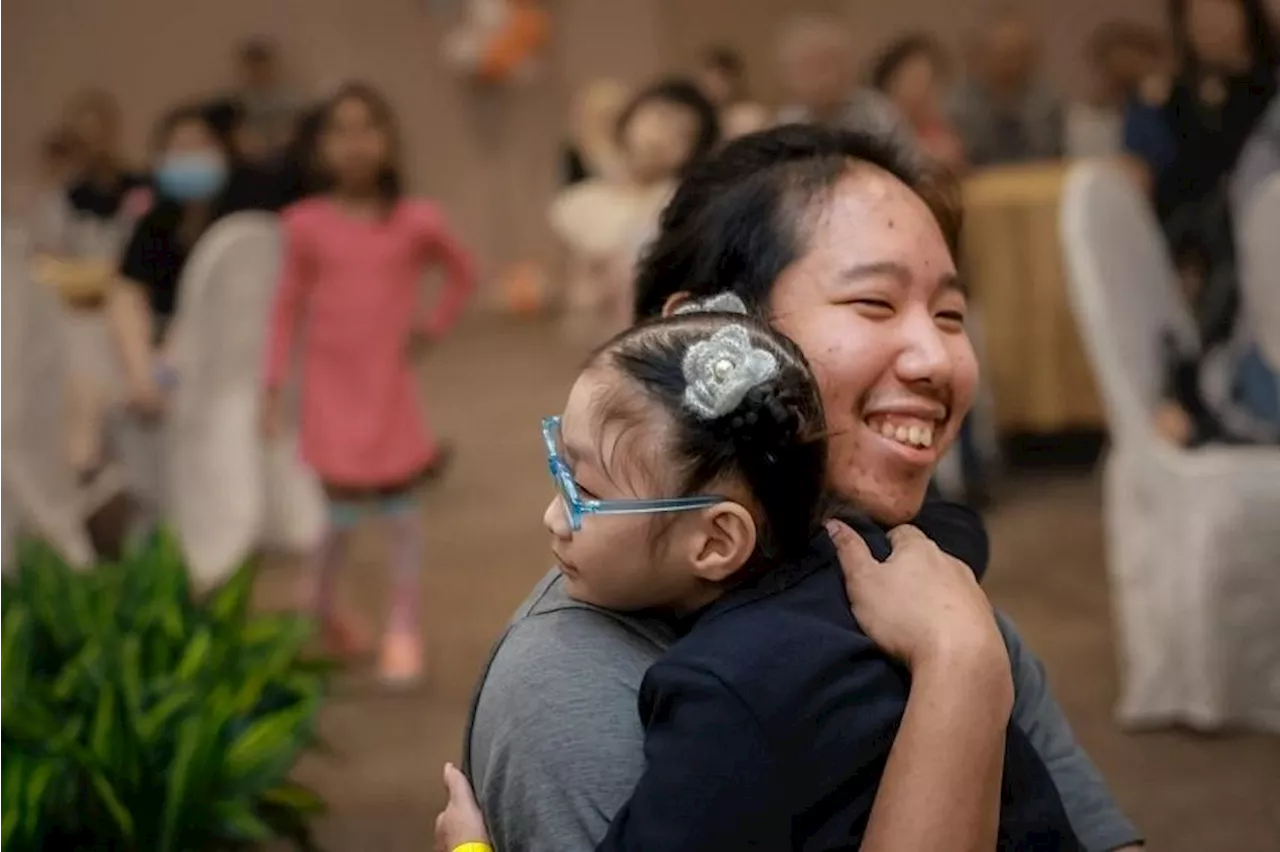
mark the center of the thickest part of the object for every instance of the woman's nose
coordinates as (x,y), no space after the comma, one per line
(925,356)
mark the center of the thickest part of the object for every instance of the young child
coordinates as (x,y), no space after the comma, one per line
(690,465)
(354,257)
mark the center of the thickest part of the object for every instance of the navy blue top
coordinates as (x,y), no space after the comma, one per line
(768,725)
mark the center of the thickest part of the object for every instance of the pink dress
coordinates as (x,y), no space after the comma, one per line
(355,283)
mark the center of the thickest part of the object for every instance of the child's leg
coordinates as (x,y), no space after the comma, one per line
(321,575)
(401,659)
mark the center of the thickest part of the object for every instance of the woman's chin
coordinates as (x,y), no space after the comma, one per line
(888,496)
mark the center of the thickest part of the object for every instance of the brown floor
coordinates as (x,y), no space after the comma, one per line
(487,387)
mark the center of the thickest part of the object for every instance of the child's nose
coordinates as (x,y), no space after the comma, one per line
(556,520)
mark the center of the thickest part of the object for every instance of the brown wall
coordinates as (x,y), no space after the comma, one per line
(490,158)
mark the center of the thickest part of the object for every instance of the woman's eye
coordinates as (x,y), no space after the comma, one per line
(877,307)
(952,316)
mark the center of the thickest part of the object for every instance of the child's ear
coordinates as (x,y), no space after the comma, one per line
(674,301)
(725,541)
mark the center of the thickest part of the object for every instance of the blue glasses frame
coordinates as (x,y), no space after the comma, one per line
(576,507)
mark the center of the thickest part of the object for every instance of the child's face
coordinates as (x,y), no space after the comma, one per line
(632,561)
(355,146)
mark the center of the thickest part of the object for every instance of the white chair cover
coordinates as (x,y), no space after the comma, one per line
(39,488)
(1193,541)
(230,491)
(1259,243)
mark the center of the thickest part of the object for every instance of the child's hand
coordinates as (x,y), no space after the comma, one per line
(419,343)
(461,820)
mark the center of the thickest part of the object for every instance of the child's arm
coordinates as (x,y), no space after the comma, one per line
(460,278)
(286,307)
(710,778)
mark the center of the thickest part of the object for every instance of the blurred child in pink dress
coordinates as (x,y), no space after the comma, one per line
(354,260)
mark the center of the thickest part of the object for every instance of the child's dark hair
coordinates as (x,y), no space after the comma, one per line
(773,440)
(390,183)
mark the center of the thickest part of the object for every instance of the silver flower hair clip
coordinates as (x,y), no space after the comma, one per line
(721,303)
(722,369)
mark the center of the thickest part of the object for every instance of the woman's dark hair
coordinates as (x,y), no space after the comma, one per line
(390,183)
(737,219)
(726,60)
(1114,35)
(683,93)
(59,143)
(1260,30)
(215,117)
(773,440)
(902,51)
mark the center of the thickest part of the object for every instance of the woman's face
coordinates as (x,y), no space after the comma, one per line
(876,307)
(1216,30)
(914,85)
(193,165)
(95,130)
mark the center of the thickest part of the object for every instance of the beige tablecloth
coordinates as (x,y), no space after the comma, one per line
(1034,363)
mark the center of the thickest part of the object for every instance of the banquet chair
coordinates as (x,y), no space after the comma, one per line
(230,490)
(40,495)
(1259,259)
(1193,541)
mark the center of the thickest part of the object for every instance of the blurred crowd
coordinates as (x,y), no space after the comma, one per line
(1192,111)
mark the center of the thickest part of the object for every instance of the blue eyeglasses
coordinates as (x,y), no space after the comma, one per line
(575,506)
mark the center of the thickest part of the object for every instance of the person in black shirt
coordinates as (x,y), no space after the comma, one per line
(198,180)
(93,119)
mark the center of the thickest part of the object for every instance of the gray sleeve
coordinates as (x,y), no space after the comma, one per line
(555,745)
(1094,814)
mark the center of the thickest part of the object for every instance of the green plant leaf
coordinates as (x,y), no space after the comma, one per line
(296,797)
(179,773)
(237,821)
(102,739)
(193,659)
(107,796)
(230,602)
(269,746)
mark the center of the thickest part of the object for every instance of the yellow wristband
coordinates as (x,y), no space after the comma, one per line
(473,847)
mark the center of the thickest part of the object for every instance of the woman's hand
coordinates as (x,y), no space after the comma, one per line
(461,820)
(922,606)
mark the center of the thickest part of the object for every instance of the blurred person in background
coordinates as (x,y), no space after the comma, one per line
(270,109)
(348,297)
(606,222)
(722,75)
(1123,57)
(196,184)
(1003,112)
(1189,136)
(60,159)
(592,150)
(819,72)
(89,215)
(913,72)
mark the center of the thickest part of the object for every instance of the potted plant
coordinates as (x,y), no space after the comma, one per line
(138,717)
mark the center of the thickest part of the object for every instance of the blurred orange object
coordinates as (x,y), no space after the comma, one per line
(522,35)
(524,289)
(499,40)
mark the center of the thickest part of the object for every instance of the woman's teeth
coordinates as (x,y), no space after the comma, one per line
(914,434)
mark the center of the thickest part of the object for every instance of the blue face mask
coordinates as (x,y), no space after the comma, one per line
(191,177)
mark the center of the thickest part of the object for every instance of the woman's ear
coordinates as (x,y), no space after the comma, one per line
(674,301)
(725,540)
